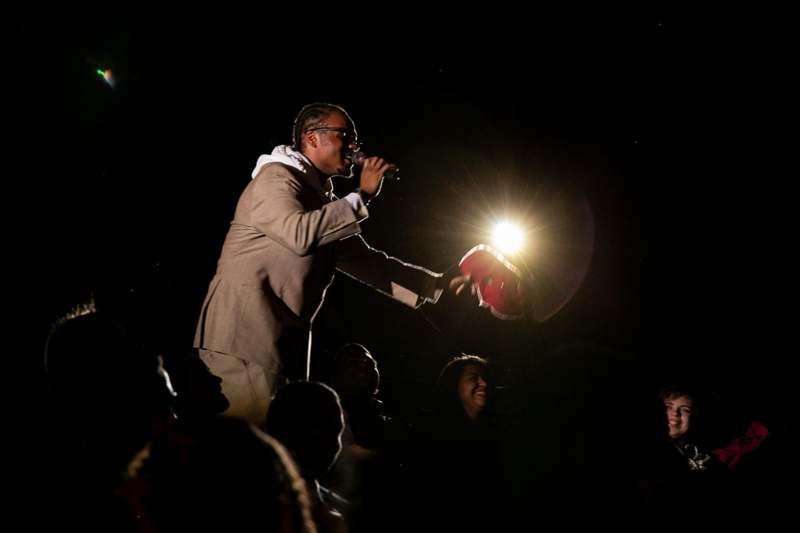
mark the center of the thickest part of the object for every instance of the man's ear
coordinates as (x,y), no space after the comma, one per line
(311,138)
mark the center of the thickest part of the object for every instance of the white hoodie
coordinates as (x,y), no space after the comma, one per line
(288,156)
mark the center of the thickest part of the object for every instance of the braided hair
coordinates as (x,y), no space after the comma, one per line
(311,116)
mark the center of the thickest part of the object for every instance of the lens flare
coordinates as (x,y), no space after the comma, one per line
(108,77)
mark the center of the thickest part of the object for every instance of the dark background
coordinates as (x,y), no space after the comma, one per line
(667,130)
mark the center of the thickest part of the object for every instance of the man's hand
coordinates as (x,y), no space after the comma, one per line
(371,179)
(459,284)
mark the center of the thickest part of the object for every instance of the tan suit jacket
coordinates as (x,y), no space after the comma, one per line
(278,258)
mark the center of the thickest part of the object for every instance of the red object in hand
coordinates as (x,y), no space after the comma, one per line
(731,455)
(498,281)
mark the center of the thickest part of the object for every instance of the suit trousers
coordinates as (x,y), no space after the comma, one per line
(248,386)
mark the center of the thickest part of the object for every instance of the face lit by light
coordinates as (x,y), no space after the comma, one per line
(472,390)
(679,414)
(507,237)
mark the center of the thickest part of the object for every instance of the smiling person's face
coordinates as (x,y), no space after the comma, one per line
(473,390)
(679,414)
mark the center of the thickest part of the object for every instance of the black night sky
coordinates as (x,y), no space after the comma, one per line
(662,128)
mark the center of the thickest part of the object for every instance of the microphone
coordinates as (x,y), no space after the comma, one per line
(358,157)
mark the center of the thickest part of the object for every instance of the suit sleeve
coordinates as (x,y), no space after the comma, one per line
(277,211)
(410,284)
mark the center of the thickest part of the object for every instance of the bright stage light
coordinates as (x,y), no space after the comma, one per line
(507,237)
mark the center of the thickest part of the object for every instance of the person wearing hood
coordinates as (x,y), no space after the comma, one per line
(288,235)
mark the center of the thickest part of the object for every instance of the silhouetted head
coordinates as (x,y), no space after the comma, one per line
(108,395)
(306,417)
(95,368)
(223,475)
(355,374)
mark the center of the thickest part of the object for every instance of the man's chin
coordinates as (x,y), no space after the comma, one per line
(344,171)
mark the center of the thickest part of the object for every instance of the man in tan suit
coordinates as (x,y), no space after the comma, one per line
(288,235)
